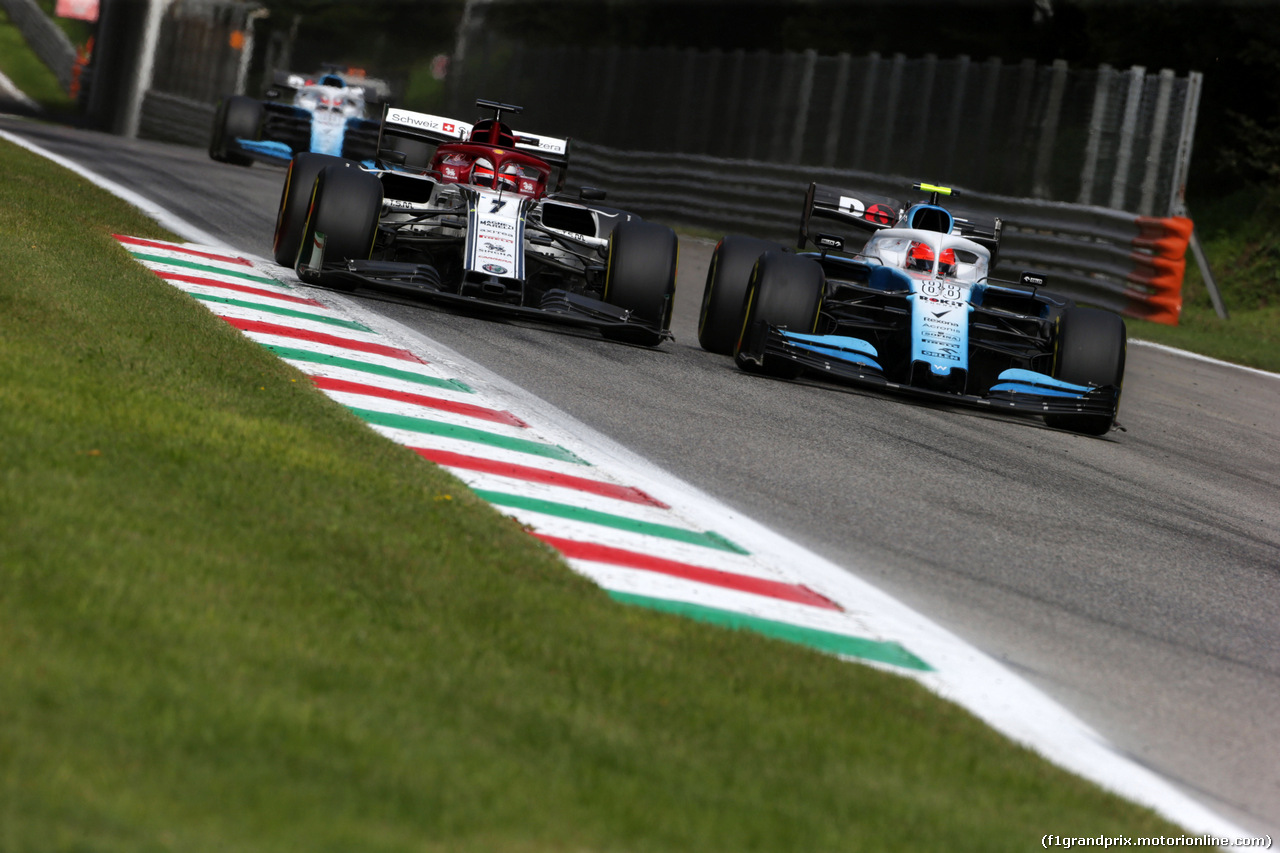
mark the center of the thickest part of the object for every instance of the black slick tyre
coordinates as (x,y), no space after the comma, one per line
(784,291)
(723,297)
(641,271)
(346,202)
(237,117)
(295,198)
(1091,351)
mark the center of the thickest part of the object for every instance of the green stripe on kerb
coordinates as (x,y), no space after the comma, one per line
(174,262)
(706,539)
(284,312)
(825,641)
(365,367)
(461,433)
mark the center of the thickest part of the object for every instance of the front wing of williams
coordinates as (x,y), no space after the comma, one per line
(913,311)
(475,216)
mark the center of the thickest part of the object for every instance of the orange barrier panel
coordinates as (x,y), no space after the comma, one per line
(1159,266)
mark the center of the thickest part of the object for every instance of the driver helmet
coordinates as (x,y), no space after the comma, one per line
(921,256)
(509,177)
(947,262)
(482,173)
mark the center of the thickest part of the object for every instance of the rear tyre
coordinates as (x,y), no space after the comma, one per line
(785,291)
(295,198)
(237,117)
(723,298)
(345,204)
(641,271)
(1091,351)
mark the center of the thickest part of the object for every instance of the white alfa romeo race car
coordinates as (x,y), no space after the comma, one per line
(476,215)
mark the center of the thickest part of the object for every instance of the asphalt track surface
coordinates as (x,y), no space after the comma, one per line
(1134,578)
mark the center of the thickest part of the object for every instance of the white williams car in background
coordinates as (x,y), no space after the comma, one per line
(326,113)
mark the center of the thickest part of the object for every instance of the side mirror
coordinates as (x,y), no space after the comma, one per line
(591,194)
(829,243)
(1031,279)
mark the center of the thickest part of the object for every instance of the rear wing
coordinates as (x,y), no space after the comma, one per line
(433,129)
(869,212)
(407,124)
(554,151)
(852,208)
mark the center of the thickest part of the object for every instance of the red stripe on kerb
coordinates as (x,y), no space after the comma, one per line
(239,288)
(321,338)
(466,409)
(712,577)
(171,247)
(538,475)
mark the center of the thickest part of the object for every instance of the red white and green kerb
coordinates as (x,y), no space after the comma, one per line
(641,550)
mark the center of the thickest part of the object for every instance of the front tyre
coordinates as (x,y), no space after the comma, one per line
(724,296)
(784,291)
(295,198)
(237,117)
(641,271)
(346,202)
(1091,351)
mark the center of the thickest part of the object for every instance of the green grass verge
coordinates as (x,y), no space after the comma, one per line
(1240,236)
(29,74)
(1247,337)
(234,618)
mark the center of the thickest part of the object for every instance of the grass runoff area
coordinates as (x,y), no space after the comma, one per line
(232,617)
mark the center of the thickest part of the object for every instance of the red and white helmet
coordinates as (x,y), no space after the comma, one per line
(920,256)
(947,262)
(509,177)
(482,173)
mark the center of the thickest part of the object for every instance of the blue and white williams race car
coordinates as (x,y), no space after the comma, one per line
(914,311)
(325,114)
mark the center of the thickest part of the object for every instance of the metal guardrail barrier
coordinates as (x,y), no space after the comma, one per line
(1120,261)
